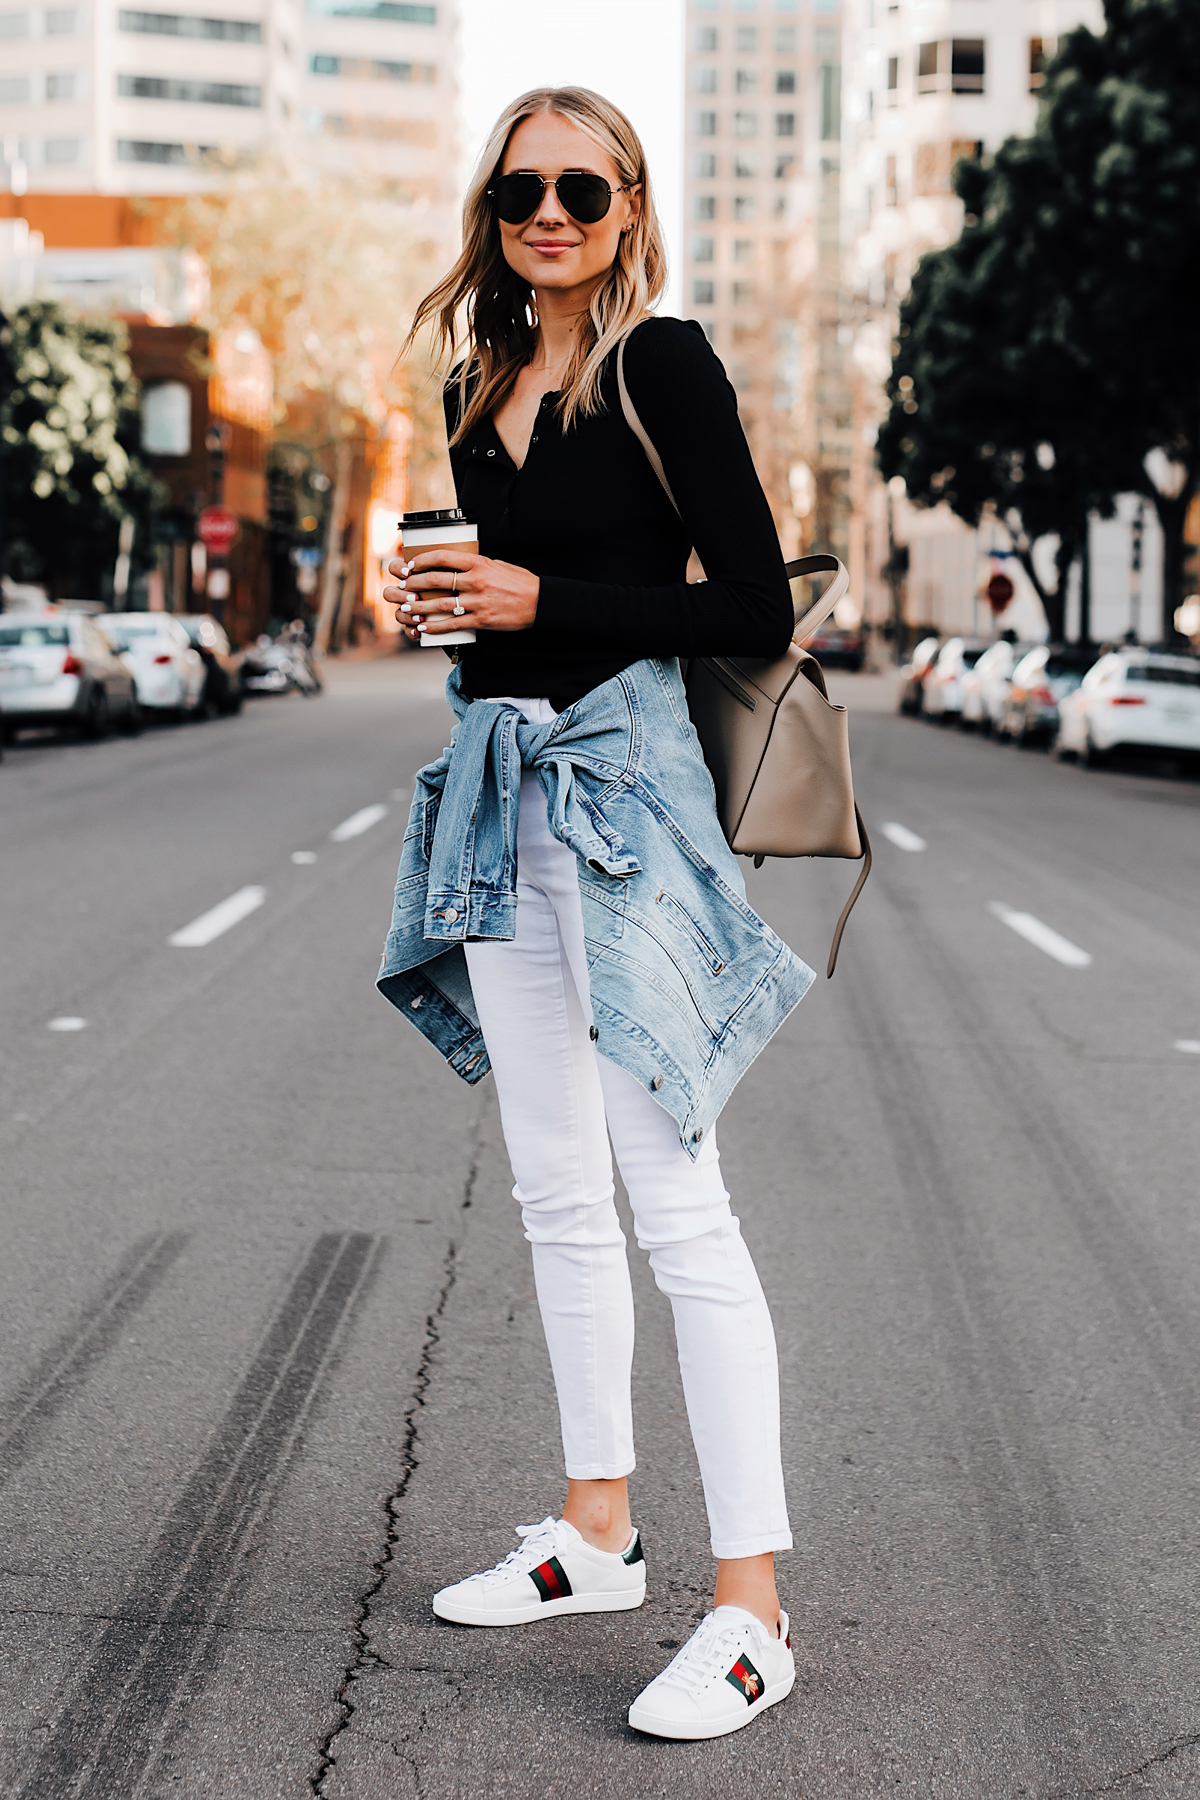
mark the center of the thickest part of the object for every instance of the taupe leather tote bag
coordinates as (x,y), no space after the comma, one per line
(777,748)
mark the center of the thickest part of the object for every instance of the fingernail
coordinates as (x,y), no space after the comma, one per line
(405,607)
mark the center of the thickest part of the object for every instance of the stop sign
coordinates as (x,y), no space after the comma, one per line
(218,529)
(1000,591)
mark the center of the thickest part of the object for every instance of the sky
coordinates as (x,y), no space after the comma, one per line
(629,50)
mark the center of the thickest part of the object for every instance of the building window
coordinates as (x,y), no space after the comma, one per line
(1039,56)
(743,293)
(61,21)
(891,189)
(363,68)
(61,86)
(703,293)
(784,167)
(236,31)
(364,125)
(392,10)
(14,89)
(967,66)
(829,77)
(785,81)
(706,124)
(747,37)
(745,124)
(137,150)
(14,25)
(893,75)
(785,40)
(706,206)
(706,39)
(745,207)
(927,67)
(703,249)
(62,151)
(167,419)
(746,81)
(705,165)
(203,93)
(743,250)
(706,81)
(785,124)
(745,168)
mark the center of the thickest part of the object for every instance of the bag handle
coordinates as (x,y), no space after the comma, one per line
(855,891)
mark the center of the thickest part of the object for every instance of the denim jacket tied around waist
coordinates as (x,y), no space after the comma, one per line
(687,982)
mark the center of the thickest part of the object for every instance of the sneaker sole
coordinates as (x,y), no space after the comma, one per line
(655,1726)
(462,1613)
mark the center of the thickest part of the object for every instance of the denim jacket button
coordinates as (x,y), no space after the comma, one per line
(450,914)
(697,1137)
(656,1083)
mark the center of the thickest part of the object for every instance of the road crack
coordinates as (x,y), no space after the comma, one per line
(363,1657)
(1164,1755)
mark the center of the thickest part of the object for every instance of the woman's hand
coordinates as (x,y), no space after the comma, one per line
(491,595)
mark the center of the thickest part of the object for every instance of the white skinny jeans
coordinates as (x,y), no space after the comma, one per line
(559,1101)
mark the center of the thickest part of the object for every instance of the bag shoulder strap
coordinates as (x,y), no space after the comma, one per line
(638,429)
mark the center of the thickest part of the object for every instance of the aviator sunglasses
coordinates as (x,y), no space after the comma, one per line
(584,197)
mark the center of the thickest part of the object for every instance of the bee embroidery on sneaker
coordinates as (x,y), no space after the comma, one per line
(746,1678)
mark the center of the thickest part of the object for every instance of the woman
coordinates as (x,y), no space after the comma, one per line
(618,982)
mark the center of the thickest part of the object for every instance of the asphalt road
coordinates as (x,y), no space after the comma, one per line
(272,1368)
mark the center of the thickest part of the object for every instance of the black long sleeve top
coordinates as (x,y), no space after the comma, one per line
(587,514)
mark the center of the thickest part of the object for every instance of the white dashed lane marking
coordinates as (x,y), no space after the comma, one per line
(1189,1046)
(304,856)
(218,919)
(1043,937)
(358,822)
(902,837)
(67,1023)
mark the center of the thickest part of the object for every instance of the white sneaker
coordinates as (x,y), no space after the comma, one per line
(730,1670)
(552,1571)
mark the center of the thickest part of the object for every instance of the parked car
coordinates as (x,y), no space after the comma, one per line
(1133,700)
(223,689)
(943,683)
(836,648)
(912,675)
(1040,681)
(56,668)
(985,687)
(170,675)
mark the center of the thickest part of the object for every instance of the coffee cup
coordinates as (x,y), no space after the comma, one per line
(446,529)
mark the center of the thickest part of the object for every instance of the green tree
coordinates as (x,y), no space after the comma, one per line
(70,421)
(1043,355)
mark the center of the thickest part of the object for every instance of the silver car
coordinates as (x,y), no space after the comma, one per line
(56,668)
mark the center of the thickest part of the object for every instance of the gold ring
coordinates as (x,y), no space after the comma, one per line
(454,585)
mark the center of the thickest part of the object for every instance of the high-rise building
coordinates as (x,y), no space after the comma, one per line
(761,248)
(926,82)
(101,97)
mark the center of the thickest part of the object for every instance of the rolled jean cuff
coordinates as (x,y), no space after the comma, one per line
(758,1546)
(600,1471)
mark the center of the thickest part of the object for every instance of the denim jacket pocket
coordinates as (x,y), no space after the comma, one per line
(684,922)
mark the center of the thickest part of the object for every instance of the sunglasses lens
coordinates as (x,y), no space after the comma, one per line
(517,197)
(585,197)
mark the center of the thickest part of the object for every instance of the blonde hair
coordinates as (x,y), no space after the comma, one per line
(501,314)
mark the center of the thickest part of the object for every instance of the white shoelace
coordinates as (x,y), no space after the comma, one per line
(537,1543)
(709,1653)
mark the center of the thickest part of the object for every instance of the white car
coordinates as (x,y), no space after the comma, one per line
(943,684)
(57,669)
(170,675)
(1132,699)
(985,687)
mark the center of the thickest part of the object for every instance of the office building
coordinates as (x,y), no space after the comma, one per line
(926,82)
(762,210)
(105,98)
